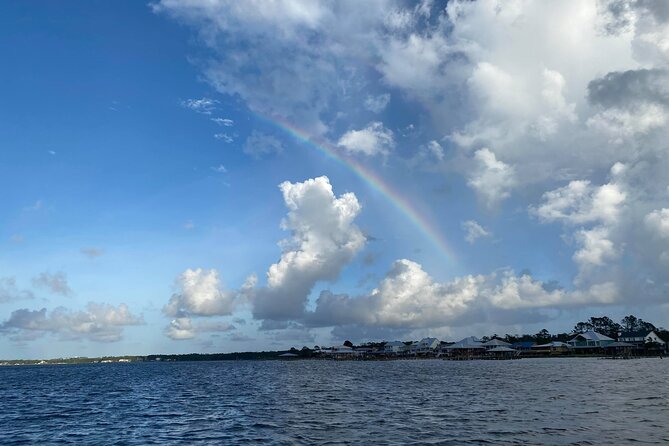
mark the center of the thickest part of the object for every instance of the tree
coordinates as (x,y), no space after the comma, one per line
(348,343)
(629,323)
(543,336)
(582,327)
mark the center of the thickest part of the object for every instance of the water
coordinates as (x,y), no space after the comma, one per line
(526,402)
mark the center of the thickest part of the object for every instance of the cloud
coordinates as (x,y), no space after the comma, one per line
(491,179)
(657,222)
(204,106)
(92,252)
(199,293)
(219,169)
(56,283)
(98,322)
(579,202)
(374,139)
(378,103)
(9,292)
(190,224)
(323,241)
(259,145)
(225,122)
(408,298)
(183,328)
(474,231)
(17,238)
(224,137)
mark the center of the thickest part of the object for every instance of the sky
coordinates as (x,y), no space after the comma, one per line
(217,176)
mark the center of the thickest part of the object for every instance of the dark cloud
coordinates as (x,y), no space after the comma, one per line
(624,89)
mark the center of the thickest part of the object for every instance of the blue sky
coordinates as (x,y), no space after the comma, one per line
(142,149)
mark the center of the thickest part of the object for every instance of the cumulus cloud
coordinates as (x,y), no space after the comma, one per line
(657,222)
(183,328)
(408,297)
(580,202)
(374,139)
(9,292)
(474,231)
(199,293)
(491,179)
(323,240)
(98,322)
(259,145)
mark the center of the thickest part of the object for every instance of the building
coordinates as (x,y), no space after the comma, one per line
(394,347)
(555,347)
(495,343)
(590,340)
(427,346)
(639,339)
(465,348)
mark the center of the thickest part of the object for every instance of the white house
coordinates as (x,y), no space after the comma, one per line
(394,347)
(641,338)
(427,345)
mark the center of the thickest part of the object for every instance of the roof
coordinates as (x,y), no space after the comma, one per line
(523,344)
(496,341)
(591,335)
(554,344)
(635,334)
(288,355)
(501,348)
(470,342)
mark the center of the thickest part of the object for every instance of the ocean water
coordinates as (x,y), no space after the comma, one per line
(526,402)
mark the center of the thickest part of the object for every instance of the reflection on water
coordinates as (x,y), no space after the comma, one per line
(531,401)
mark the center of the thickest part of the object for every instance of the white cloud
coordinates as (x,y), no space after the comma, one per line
(180,329)
(378,103)
(55,283)
(259,145)
(224,137)
(219,169)
(199,293)
(98,322)
(225,122)
(409,298)
(579,202)
(596,247)
(491,179)
(657,222)
(474,231)
(203,105)
(323,241)
(374,139)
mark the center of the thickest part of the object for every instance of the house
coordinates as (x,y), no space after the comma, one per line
(496,343)
(552,347)
(590,340)
(502,352)
(467,347)
(427,345)
(394,347)
(640,338)
(522,346)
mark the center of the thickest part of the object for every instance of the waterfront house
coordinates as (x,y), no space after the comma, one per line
(522,346)
(496,343)
(555,347)
(590,340)
(394,347)
(639,339)
(467,347)
(502,352)
(427,346)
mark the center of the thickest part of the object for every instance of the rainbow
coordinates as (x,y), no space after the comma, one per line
(402,204)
